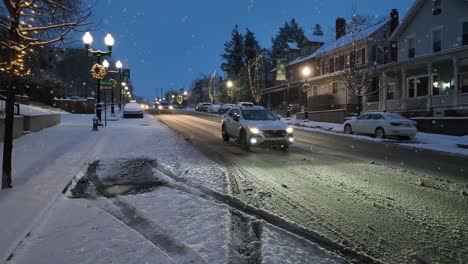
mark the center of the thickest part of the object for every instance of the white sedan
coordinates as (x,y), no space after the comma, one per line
(132,109)
(381,125)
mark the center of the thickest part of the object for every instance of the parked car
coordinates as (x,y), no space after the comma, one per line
(245,104)
(133,110)
(165,108)
(202,107)
(213,108)
(224,108)
(382,125)
(256,126)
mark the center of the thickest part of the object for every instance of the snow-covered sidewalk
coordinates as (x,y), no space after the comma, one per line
(437,142)
(124,207)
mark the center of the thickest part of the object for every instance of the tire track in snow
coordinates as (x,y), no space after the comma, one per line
(134,219)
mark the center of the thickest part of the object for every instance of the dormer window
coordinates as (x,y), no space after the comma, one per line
(436,7)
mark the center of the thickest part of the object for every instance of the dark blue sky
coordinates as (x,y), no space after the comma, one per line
(167,44)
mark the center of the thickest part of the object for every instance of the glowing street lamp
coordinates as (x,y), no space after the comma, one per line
(306,71)
(109,42)
(119,66)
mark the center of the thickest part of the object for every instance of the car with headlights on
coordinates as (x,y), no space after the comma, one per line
(381,125)
(165,108)
(202,107)
(132,110)
(256,126)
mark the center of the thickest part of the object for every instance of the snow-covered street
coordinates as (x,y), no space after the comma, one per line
(137,193)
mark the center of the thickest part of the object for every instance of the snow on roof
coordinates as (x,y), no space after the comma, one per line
(292,45)
(315,38)
(343,41)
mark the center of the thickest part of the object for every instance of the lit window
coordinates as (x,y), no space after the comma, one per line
(437,40)
(436,7)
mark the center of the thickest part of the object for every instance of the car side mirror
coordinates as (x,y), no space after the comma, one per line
(236,118)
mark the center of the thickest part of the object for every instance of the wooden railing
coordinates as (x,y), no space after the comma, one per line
(442,100)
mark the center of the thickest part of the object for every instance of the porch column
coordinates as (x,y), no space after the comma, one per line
(455,81)
(430,89)
(404,89)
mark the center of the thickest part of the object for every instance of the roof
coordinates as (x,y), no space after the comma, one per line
(316,38)
(343,41)
(407,19)
(292,45)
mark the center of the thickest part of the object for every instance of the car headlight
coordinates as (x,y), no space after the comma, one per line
(289,130)
(160,107)
(254,130)
(170,107)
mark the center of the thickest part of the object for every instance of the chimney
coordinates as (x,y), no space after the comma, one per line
(395,20)
(340,27)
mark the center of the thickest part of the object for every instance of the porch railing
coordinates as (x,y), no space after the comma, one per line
(464,99)
(442,100)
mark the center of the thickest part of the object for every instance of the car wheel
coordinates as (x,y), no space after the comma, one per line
(225,135)
(348,129)
(243,141)
(380,133)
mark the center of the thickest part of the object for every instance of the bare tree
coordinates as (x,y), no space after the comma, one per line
(256,72)
(212,87)
(30,25)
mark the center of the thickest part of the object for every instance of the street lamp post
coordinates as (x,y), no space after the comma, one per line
(305,88)
(230,86)
(109,41)
(118,65)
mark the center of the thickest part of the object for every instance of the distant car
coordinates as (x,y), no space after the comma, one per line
(202,107)
(133,110)
(165,108)
(213,108)
(255,126)
(224,108)
(245,104)
(381,125)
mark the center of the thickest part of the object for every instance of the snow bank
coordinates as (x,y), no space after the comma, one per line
(437,142)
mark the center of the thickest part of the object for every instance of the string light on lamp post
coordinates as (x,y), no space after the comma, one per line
(97,71)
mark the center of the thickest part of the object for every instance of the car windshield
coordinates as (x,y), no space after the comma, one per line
(132,105)
(258,115)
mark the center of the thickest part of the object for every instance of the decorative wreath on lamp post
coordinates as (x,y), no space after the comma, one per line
(98,71)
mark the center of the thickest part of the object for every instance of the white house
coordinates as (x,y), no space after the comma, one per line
(431,74)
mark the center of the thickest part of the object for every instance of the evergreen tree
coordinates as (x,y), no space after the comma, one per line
(234,54)
(291,31)
(251,46)
(318,30)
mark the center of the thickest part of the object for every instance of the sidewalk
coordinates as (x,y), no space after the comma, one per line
(443,143)
(132,204)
